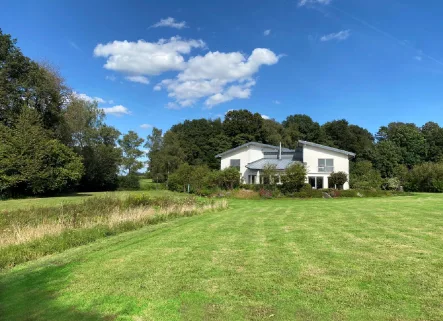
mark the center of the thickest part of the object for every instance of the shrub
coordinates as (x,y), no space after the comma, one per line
(294,178)
(427,177)
(364,176)
(129,182)
(265,193)
(338,179)
(392,184)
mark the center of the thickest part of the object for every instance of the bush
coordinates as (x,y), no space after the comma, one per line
(427,177)
(364,176)
(338,179)
(129,182)
(265,193)
(294,178)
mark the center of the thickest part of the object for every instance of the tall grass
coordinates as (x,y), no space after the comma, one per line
(31,233)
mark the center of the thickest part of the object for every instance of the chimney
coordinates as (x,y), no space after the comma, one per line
(279,152)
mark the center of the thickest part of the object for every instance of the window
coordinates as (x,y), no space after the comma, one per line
(325,165)
(235,163)
(252,179)
(316,182)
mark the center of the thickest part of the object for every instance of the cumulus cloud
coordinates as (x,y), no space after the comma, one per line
(170,22)
(302,3)
(111,78)
(267,32)
(265,117)
(145,126)
(139,79)
(339,36)
(146,58)
(88,98)
(217,76)
(118,110)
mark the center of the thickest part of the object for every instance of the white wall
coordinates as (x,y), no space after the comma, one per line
(311,155)
(246,155)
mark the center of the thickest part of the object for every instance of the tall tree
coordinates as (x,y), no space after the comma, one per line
(130,144)
(242,126)
(86,132)
(408,138)
(302,127)
(433,134)
(24,82)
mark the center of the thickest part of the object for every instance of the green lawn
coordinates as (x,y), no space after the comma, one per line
(340,259)
(14,204)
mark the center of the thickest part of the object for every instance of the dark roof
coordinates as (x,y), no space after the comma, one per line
(280,164)
(327,148)
(254,144)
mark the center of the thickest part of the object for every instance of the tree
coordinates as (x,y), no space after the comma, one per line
(364,176)
(243,126)
(433,135)
(387,157)
(302,127)
(31,162)
(269,174)
(130,144)
(408,138)
(86,132)
(338,179)
(24,82)
(294,178)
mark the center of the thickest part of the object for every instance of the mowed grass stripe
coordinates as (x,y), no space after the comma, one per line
(353,259)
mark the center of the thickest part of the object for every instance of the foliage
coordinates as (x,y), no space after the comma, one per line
(129,182)
(130,144)
(392,183)
(294,178)
(31,162)
(269,174)
(426,177)
(338,179)
(364,176)
(242,126)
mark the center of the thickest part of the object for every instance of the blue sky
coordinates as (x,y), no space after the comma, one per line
(371,62)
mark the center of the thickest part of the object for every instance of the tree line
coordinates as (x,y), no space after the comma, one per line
(393,151)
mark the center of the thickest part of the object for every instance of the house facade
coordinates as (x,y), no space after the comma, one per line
(319,160)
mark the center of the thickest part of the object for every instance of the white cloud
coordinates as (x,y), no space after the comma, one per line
(118,110)
(219,77)
(312,2)
(88,98)
(139,79)
(277,102)
(145,126)
(267,32)
(265,117)
(146,58)
(111,78)
(339,36)
(170,22)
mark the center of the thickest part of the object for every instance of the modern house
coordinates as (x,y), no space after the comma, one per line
(320,161)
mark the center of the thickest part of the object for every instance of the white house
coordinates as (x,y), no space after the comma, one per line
(320,161)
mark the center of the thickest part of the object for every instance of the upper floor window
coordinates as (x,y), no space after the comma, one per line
(325,165)
(235,163)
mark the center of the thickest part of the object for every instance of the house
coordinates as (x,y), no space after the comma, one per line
(320,161)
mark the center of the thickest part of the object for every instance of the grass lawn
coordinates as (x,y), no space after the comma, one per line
(340,259)
(14,204)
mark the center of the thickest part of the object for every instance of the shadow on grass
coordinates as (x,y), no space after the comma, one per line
(26,295)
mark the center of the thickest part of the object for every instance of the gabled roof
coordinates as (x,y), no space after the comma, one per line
(327,148)
(254,144)
(280,164)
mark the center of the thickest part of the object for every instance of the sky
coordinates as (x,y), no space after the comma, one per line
(157,63)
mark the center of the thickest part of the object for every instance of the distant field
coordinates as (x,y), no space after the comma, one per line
(73,198)
(340,259)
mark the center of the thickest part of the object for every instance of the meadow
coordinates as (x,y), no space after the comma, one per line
(335,259)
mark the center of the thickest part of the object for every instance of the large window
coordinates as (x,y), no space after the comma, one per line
(316,182)
(235,163)
(325,165)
